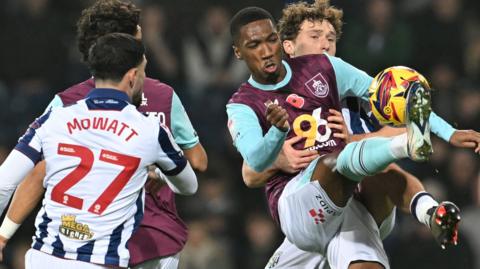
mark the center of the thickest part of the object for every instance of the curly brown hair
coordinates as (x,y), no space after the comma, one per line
(104,17)
(295,14)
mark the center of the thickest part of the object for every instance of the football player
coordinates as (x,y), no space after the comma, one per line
(97,152)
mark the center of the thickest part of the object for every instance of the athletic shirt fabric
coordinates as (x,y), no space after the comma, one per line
(162,232)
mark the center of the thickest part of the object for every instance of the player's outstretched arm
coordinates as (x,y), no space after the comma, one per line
(197,157)
(458,138)
(174,167)
(466,139)
(184,183)
(26,197)
(12,171)
(28,194)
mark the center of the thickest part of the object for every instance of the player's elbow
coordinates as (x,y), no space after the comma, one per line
(257,167)
(252,183)
(197,157)
(200,164)
(186,182)
(250,178)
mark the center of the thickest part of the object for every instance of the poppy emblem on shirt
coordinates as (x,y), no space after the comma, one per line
(318,85)
(295,100)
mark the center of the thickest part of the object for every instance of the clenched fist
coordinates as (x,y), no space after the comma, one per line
(277,116)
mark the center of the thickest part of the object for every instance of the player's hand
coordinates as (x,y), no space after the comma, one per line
(291,160)
(277,116)
(3,243)
(466,139)
(336,122)
(153,184)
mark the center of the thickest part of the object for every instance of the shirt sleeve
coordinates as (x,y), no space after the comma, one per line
(12,171)
(183,132)
(56,102)
(351,81)
(440,127)
(30,143)
(171,160)
(257,150)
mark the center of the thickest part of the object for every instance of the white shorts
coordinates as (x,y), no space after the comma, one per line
(342,250)
(308,218)
(170,262)
(288,256)
(359,238)
(35,259)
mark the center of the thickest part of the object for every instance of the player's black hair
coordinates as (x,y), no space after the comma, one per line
(246,16)
(113,55)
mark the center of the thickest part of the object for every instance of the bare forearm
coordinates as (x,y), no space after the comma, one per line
(257,179)
(197,157)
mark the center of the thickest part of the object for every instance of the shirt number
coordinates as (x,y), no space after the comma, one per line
(59,195)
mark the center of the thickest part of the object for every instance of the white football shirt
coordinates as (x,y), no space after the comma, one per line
(97,152)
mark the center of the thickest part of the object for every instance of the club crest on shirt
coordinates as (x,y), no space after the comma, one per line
(317,85)
(73,229)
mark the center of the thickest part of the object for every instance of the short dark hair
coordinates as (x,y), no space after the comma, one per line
(246,16)
(113,55)
(105,17)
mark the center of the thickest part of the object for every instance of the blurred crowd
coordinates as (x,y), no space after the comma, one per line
(189,47)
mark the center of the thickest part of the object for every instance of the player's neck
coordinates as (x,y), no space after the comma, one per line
(105,84)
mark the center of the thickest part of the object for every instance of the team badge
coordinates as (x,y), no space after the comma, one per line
(295,100)
(318,85)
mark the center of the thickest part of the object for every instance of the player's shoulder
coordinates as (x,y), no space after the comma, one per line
(76,92)
(155,86)
(308,59)
(245,92)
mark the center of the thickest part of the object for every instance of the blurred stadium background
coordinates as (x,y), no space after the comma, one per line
(189,48)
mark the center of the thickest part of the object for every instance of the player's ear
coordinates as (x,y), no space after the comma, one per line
(131,76)
(288,47)
(238,55)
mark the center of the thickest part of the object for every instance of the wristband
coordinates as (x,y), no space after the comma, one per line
(8,228)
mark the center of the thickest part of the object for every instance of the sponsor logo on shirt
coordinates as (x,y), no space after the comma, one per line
(326,208)
(317,215)
(144,100)
(317,85)
(73,229)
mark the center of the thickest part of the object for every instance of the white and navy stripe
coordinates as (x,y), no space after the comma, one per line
(357,119)
(173,152)
(24,142)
